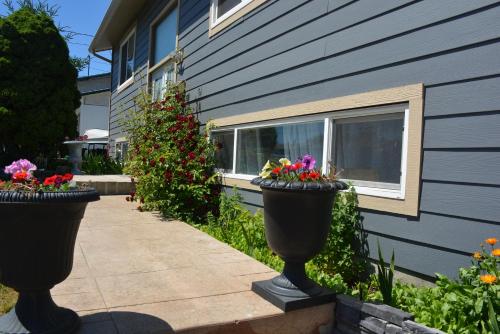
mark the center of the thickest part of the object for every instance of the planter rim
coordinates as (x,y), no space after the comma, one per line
(271,184)
(72,196)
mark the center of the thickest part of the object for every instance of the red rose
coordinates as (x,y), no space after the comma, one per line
(202,160)
(191,155)
(152,163)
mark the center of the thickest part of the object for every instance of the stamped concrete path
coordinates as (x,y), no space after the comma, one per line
(136,273)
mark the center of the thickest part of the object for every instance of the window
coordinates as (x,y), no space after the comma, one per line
(164,37)
(121,150)
(127,54)
(164,42)
(367,145)
(223,9)
(160,80)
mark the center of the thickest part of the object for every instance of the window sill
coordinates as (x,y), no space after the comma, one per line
(125,85)
(161,63)
(220,25)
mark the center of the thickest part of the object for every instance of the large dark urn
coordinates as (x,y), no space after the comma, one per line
(297,218)
(37,240)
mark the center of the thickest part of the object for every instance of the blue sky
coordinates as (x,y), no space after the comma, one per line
(81,17)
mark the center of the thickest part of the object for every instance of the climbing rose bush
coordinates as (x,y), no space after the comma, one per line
(171,160)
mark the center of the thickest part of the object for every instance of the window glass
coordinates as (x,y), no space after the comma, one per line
(165,35)
(225,6)
(224,148)
(127,52)
(257,145)
(161,78)
(369,149)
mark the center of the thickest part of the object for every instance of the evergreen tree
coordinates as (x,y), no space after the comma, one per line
(38,86)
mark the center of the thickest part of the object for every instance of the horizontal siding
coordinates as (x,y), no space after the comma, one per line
(291,52)
(462,166)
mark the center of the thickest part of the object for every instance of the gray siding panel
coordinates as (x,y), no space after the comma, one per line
(463,167)
(462,98)
(476,202)
(478,131)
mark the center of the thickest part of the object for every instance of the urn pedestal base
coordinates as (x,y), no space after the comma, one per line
(37,313)
(293,290)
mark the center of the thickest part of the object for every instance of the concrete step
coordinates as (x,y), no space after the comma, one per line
(107,184)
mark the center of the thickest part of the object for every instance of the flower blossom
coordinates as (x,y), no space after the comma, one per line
(495,252)
(488,278)
(21,165)
(491,241)
(309,162)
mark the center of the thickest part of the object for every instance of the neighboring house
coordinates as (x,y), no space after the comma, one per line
(402,95)
(94,110)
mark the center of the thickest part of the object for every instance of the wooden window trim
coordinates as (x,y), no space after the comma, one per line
(129,81)
(214,28)
(413,95)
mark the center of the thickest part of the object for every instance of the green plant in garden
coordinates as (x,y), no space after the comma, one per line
(171,160)
(99,164)
(459,306)
(38,84)
(385,276)
(344,251)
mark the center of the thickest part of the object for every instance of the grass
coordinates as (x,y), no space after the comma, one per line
(8,298)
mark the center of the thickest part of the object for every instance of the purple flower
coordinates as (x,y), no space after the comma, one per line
(22,165)
(309,162)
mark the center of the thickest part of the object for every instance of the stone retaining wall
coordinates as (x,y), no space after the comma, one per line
(357,317)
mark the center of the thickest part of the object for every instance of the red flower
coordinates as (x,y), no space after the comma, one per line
(191,155)
(152,163)
(20,176)
(170,108)
(295,166)
(277,170)
(182,149)
(156,146)
(314,175)
(168,176)
(303,176)
(54,180)
(202,160)
(162,160)
(67,177)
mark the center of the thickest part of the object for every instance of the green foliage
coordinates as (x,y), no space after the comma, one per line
(492,317)
(344,249)
(98,164)
(459,306)
(171,159)
(38,86)
(385,277)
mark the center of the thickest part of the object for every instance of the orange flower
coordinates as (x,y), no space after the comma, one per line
(477,255)
(488,278)
(491,241)
(496,252)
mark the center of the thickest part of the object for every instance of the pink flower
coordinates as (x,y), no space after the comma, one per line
(22,165)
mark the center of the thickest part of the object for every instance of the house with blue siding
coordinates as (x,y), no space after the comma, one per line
(402,95)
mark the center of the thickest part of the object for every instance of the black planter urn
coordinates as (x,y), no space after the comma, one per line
(37,240)
(297,218)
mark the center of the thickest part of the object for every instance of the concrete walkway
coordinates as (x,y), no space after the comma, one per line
(136,273)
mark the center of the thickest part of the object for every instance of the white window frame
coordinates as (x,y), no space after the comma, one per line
(130,80)
(214,6)
(375,188)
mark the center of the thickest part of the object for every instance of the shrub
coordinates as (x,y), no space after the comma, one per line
(459,306)
(38,84)
(99,164)
(171,159)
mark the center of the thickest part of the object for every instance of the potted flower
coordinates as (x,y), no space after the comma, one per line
(298,203)
(38,228)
